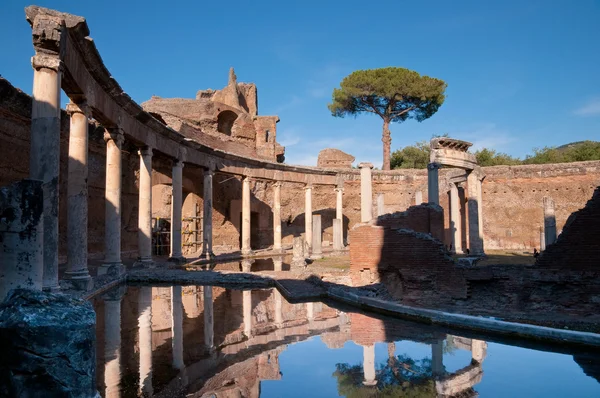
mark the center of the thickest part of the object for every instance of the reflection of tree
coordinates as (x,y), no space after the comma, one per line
(400,376)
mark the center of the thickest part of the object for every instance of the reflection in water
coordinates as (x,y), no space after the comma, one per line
(241,346)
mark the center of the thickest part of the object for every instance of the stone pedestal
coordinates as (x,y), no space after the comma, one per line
(246,211)
(21,236)
(177,327)
(209,318)
(369,365)
(176,213)
(77,199)
(308,219)
(475,235)
(455,220)
(366,192)
(338,237)
(317,241)
(145,208)
(112,227)
(433,187)
(48,345)
(277,217)
(207,218)
(44,155)
(549,221)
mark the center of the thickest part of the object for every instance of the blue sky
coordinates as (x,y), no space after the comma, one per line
(520,74)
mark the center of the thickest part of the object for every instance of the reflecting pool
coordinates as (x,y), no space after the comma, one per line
(208,341)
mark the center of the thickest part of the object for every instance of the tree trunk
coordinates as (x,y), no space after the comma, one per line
(386,138)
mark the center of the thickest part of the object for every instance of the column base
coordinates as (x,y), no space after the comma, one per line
(80,280)
(112,269)
(51,289)
(146,262)
(177,259)
(278,250)
(370,383)
(247,252)
(207,255)
(316,256)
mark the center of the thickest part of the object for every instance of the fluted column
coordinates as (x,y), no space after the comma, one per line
(369,365)
(246,209)
(366,192)
(44,155)
(145,340)
(176,208)
(112,228)
(77,198)
(277,216)
(247,310)
(177,327)
(209,318)
(112,344)
(308,218)
(433,187)
(145,207)
(455,220)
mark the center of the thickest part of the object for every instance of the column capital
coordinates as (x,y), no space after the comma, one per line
(114,134)
(48,33)
(47,61)
(247,179)
(308,186)
(81,107)
(338,189)
(209,172)
(178,164)
(146,151)
(434,166)
(365,165)
(277,184)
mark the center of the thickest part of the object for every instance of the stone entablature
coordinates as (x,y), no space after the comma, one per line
(451,152)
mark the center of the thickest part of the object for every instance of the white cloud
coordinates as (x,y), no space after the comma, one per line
(592,108)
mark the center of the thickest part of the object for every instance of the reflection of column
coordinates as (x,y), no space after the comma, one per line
(478,350)
(437,358)
(308,219)
(246,209)
(177,327)
(112,346)
(112,227)
(366,192)
(44,153)
(176,208)
(475,236)
(455,227)
(209,322)
(277,216)
(77,197)
(278,307)
(207,218)
(247,309)
(369,365)
(145,340)
(145,207)
(433,188)
(310,311)
(278,264)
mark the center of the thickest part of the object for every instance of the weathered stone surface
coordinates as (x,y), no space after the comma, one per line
(334,159)
(48,346)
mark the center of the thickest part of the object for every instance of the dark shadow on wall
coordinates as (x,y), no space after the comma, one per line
(295,226)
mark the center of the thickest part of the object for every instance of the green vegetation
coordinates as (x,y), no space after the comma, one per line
(393,94)
(417,156)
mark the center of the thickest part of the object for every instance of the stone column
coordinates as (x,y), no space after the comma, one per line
(247,265)
(247,310)
(207,218)
(77,198)
(433,187)
(145,207)
(44,157)
(176,208)
(480,209)
(366,192)
(369,365)
(437,358)
(177,327)
(337,235)
(21,236)
(339,214)
(112,344)
(542,240)
(112,227)
(246,211)
(278,307)
(455,220)
(380,204)
(317,241)
(277,217)
(209,318)
(418,197)
(145,340)
(475,237)
(549,221)
(308,218)
(278,264)
(478,350)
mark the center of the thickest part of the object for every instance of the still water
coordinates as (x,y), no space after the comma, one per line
(203,341)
